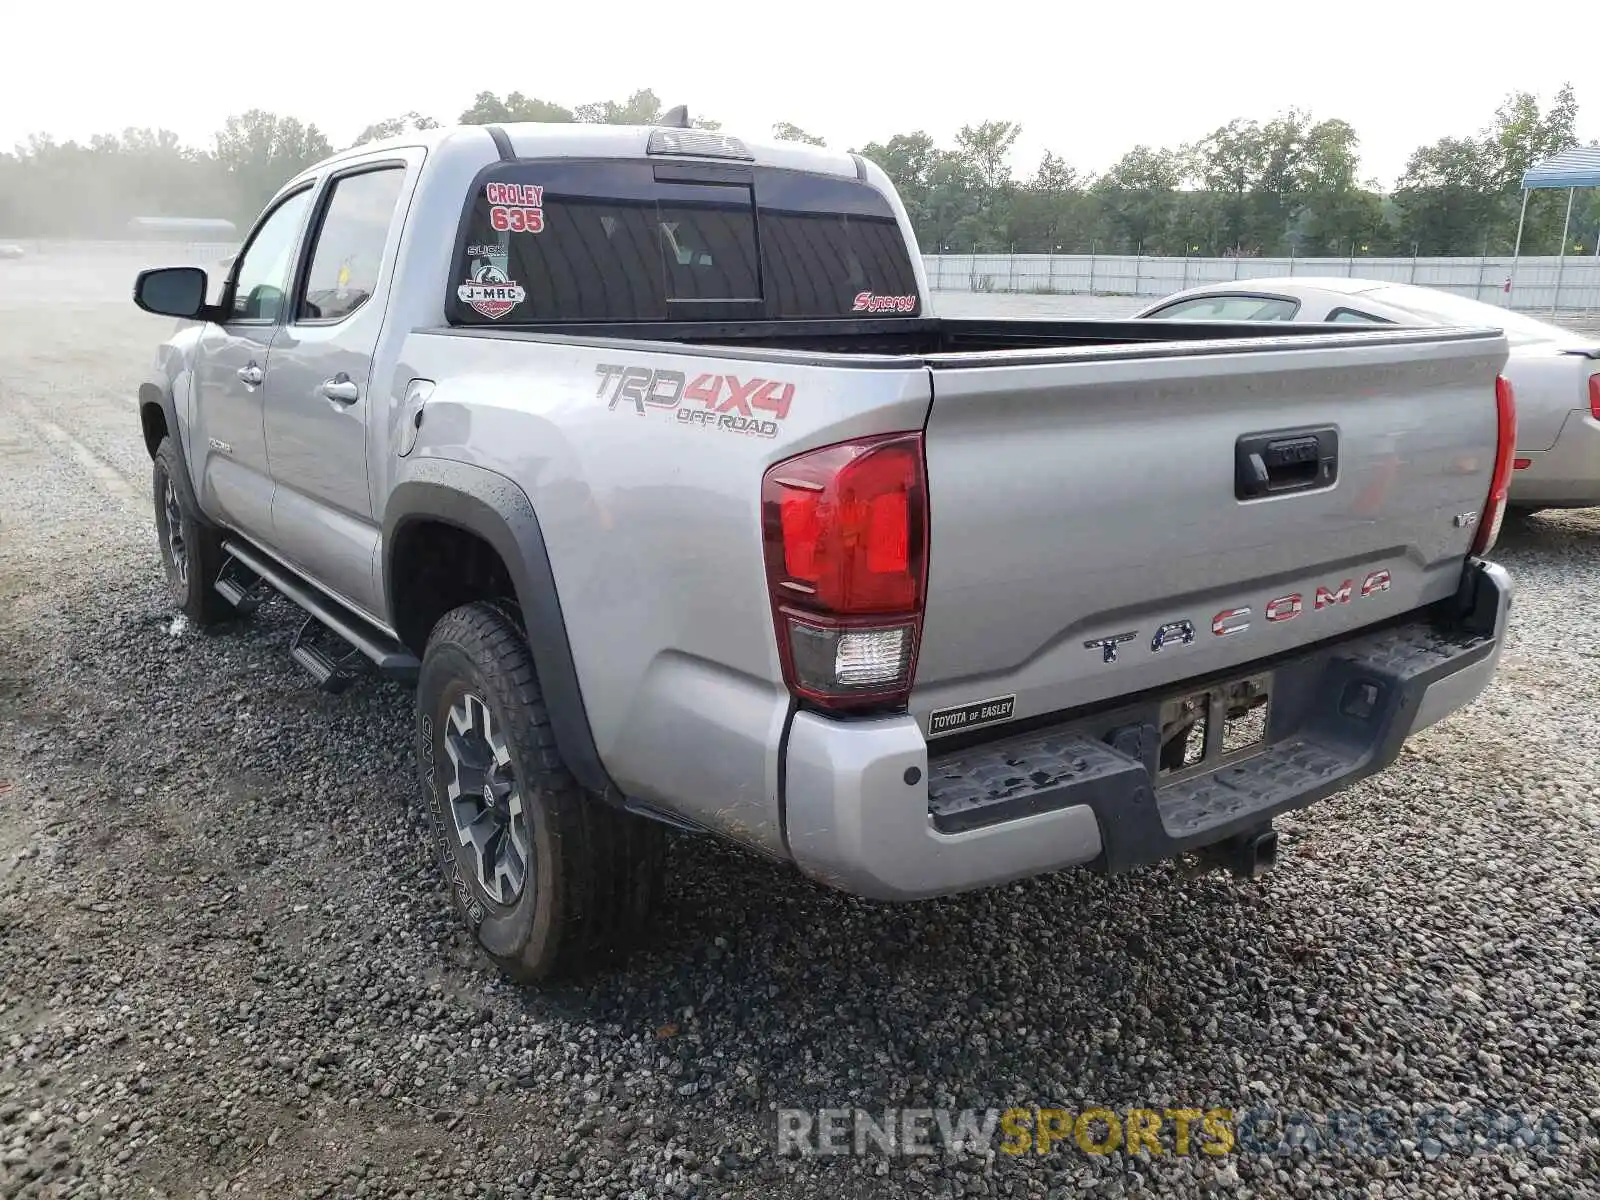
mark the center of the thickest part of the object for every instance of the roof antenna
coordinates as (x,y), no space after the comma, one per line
(675,118)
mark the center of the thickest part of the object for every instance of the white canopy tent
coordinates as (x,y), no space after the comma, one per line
(1571,169)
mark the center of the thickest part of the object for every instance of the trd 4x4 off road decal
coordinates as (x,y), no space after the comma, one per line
(725,402)
(490,292)
(869,303)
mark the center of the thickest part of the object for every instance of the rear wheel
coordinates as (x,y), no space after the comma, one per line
(191,547)
(547,877)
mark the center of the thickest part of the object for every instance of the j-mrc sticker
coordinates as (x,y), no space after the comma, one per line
(490,292)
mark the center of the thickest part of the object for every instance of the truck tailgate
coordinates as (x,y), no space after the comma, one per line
(1095,529)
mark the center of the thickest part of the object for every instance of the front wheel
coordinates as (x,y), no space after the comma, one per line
(547,877)
(191,546)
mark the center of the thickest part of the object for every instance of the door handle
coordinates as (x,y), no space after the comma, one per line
(252,374)
(341,389)
(1293,460)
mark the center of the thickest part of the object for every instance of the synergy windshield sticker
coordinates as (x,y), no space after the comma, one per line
(515,207)
(490,292)
(870,302)
(725,402)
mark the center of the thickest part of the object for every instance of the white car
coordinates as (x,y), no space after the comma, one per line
(1554,372)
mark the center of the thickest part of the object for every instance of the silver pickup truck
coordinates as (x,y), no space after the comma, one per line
(640,453)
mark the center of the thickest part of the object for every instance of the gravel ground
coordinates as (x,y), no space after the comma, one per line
(228,966)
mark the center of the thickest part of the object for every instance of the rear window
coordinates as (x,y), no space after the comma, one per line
(572,240)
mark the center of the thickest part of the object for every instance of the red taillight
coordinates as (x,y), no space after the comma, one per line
(845,529)
(1594,397)
(1494,508)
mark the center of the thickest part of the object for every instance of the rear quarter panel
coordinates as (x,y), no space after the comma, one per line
(1549,385)
(652,522)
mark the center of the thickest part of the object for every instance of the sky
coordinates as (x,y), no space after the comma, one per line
(1086,82)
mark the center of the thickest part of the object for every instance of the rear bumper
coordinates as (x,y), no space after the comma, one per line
(867,810)
(1567,474)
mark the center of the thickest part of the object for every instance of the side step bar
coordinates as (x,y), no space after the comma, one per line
(331,673)
(240,587)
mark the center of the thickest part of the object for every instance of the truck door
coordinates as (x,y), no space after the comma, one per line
(229,446)
(321,397)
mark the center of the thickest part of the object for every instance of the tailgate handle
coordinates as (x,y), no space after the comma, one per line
(1288,460)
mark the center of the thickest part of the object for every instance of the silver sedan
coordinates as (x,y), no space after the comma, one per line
(1554,372)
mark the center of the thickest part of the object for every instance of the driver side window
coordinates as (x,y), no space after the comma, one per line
(263,279)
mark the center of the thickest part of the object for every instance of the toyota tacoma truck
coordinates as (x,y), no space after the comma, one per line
(641,454)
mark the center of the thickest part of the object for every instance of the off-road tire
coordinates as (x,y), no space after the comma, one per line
(199,542)
(595,871)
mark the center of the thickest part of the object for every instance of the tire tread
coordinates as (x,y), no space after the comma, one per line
(202,604)
(608,863)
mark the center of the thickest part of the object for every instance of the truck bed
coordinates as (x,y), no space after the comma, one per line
(943,337)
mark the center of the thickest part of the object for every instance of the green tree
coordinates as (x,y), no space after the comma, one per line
(259,151)
(952,206)
(1464,195)
(54,188)
(1250,186)
(1230,162)
(394,127)
(1520,136)
(986,150)
(785,131)
(1138,196)
(641,108)
(908,160)
(1447,196)
(490,109)
(1339,213)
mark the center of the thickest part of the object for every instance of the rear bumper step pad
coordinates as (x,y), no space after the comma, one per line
(1338,712)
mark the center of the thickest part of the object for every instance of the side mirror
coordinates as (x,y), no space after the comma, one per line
(171,292)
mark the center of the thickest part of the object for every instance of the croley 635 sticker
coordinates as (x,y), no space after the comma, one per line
(490,292)
(515,207)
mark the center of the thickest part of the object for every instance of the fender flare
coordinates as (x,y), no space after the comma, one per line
(485,503)
(153,395)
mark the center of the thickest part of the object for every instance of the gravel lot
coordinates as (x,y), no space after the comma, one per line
(227,964)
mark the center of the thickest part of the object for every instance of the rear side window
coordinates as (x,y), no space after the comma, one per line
(1351,316)
(832,248)
(1230,308)
(574,240)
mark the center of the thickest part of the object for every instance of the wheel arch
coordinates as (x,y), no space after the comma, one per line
(158,418)
(442,493)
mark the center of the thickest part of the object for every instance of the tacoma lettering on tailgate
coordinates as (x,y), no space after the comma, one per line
(1233,621)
